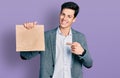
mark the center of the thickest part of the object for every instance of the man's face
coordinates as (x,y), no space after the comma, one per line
(66,18)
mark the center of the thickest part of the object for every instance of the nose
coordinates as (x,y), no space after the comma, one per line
(65,18)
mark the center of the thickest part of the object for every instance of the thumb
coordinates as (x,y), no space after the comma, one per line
(35,23)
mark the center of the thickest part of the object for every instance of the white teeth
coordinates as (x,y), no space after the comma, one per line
(64,22)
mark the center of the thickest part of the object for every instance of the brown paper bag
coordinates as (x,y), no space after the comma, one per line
(30,40)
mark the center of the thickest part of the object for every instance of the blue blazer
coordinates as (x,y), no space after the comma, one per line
(47,58)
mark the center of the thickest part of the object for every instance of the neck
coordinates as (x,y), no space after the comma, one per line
(65,31)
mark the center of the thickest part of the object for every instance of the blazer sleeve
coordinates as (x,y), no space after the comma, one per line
(26,55)
(86,58)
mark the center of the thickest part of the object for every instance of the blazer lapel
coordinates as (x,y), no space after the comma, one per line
(74,39)
(53,44)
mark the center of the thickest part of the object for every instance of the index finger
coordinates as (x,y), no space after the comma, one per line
(68,43)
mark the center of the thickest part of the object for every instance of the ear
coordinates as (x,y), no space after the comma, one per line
(74,19)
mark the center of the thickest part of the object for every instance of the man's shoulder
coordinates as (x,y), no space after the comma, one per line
(77,32)
(50,31)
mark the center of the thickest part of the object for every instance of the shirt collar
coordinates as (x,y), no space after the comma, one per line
(59,31)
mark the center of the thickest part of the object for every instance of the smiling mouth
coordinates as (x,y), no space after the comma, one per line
(64,22)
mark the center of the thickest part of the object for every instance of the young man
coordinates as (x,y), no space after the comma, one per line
(65,48)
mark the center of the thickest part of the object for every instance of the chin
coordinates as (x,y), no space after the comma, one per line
(64,26)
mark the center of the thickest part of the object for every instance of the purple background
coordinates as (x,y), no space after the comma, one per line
(99,20)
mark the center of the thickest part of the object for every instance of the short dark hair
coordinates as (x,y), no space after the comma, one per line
(71,5)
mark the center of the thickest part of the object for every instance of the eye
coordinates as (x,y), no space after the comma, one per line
(69,16)
(62,14)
